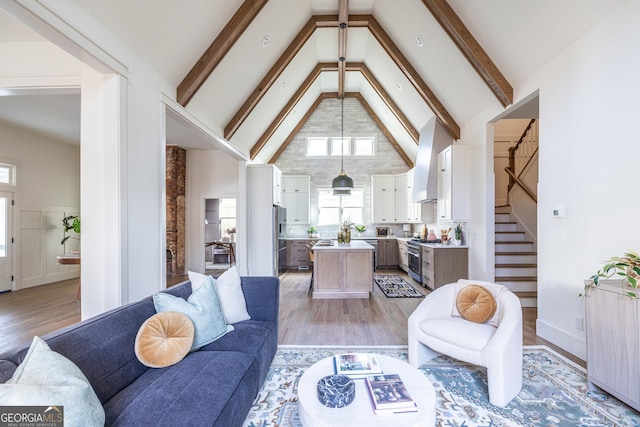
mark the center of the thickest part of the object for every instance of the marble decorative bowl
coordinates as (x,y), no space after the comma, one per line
(336,391)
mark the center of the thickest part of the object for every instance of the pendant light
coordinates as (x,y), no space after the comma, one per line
(342,184)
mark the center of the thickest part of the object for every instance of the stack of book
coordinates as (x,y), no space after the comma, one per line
(356,365)
(389,394)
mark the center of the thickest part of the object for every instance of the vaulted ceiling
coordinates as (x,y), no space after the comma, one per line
(253,70)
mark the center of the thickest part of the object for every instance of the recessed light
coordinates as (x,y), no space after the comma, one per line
(265,41)
(398,85)
(419,40)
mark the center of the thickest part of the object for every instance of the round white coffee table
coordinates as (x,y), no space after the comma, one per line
(314,414)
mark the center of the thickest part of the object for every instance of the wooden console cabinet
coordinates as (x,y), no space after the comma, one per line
(613,335)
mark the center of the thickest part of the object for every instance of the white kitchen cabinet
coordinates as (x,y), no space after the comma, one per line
(277,186)
(414,211)
(295,198)
(383,198)
(453,183)
(613,335)
(391,199)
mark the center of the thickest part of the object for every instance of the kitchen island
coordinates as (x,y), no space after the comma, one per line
(342,270)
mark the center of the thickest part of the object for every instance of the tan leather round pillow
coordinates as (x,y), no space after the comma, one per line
(476,304)
(164,339)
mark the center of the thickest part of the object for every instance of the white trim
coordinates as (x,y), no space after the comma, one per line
(574,345)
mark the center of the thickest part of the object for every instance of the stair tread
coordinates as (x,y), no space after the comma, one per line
(523,265)
(518,242)
(531,294)
(510,232)
(516,253)
(516,279)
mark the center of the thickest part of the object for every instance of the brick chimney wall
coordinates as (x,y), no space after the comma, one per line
(176,189)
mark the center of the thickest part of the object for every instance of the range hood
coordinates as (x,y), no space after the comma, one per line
(433,139)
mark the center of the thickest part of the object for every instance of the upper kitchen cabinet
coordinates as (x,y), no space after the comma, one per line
(295,198)
(406,210)
(391,199)
(453,183)
(383,198)
(266,180)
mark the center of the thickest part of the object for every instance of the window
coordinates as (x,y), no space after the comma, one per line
(339,144)
(363,146)
(227,215)
(336,209)
(316,146)
(7,174)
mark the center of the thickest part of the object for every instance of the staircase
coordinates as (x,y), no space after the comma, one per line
(516,260)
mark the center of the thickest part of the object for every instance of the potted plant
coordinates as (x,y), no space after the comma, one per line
(457,232)
(360,229)
(71,222)
(626,266)
(311,231)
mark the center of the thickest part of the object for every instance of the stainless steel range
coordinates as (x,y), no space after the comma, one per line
(415,257)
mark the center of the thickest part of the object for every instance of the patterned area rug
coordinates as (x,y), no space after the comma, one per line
(554,393)
(395,286)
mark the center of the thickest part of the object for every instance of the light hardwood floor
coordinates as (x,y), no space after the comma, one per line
(303,321)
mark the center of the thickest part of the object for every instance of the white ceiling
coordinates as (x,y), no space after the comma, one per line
(520,37)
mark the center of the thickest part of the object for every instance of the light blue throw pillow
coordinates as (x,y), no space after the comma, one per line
(202,307)
(46,378)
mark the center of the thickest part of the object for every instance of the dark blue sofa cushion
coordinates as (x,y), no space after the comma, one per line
(207,388)
(254,337)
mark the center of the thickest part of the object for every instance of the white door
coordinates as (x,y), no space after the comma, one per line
(6,237)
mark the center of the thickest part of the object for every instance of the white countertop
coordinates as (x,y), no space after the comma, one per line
(355,244)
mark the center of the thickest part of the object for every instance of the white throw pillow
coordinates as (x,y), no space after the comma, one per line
(196,279)
(46,378)
(229,287)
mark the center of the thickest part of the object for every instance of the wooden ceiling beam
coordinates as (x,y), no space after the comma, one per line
(351,67)
(300,124)
(382,127)
(367,107)
(386,98)
(412,75)
(471,49)
(343,18)
(218,49)
(276,70)
(315,73)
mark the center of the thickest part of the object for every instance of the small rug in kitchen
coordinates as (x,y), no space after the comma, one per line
(555,392)
(395,286)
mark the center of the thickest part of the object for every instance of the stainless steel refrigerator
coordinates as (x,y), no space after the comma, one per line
(279,240)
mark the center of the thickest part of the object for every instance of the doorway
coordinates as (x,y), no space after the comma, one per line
(219,233)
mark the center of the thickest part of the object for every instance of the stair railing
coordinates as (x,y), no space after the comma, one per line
(516,180)
(521,153)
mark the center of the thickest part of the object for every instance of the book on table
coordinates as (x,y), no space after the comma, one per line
(356,365)
(389,394)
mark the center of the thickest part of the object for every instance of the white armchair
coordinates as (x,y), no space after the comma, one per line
(434,331)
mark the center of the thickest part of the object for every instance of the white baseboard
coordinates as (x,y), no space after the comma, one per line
(574,345)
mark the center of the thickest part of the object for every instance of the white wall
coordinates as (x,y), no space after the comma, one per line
(211,174)
(48,187)
(588,164)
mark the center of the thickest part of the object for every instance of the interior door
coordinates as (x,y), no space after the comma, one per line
(6,247)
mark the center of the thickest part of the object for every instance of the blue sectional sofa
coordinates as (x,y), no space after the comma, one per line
(214,386)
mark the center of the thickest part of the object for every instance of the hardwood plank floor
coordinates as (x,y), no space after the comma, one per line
(303,321)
